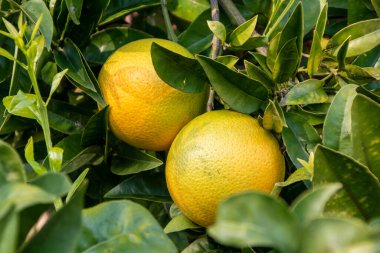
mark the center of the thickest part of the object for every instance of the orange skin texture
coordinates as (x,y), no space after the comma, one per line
(218,154)
(144,111)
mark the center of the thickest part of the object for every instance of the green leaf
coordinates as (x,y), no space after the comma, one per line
(33,10)
(96,128)
(178,71)
(342,53)
(249,219)
(179,223)
(376,6)
(239,91)
(218,29)
(60,233)
(301,174)
(332,234)
(188,10)
(359,75)
(198,36)
(228,60)
(55,83)
(78,71)
(24,195)
(364,37)
(76,185)
(263,7)
(365,134)
(122,226)
(202,245)
(55,156)
(29,156)
(286,62)
(75,9)
(360,187)
(307,92)
(272,51)
(316,46)
(337,132)
(299,137)
(274,117)
(243,32)
(118,9)
(151,186)
(57,184)
(76,156)
(310,205)
(23,105)
(103,43)
(132,160)
(260,75)
(9,223)
(11,167)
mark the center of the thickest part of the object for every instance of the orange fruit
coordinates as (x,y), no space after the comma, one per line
(218,154)
(144,111)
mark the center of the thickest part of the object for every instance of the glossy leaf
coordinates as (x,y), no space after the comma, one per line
(198,36)
(55,83)
(243,32)
(307,92)
(103,43)
(118,9)
(316,46)
(75,156)
(299,137)
(131,229)
(228,60)
(72,59)
(332,234)
(11,167)
(60,233)
(273,50)
(75,9)
(24,195)
(150,186)
(188,10)
(248,219)
(360,190)
(96,128)
(29,156)
(76,185)
(301,174)
(218,29)
(310,205)
(258,74)
(342,53)
(132,160)
(9,223)
(179,223)
(376,6)
(202,245)
(286,62)
(23,105)
(263,7)
(33,10)
(178,71)
(57,184)
(364,37)
(239,91)
(274,118)
(337,132)
(365,134)
(55,156)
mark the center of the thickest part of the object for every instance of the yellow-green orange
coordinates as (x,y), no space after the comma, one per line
(144,111)
(218,154)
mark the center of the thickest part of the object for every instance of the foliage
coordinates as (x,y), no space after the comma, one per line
(308,69)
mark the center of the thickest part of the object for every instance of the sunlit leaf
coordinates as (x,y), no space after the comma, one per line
(307,92)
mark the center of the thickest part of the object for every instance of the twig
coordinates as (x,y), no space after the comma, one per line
(168,23)
(215,49)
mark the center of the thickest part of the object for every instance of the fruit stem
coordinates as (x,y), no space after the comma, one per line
(168,23)
(215,49)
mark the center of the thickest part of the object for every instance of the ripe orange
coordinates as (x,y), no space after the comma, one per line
(216,155)
(144,111)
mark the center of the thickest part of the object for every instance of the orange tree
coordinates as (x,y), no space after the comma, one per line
(307,70)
